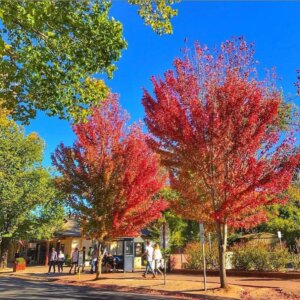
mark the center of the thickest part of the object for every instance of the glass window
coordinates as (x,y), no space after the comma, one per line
(138,249)
(120,248)
(129,247)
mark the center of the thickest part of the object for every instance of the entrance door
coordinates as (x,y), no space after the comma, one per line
(128,256)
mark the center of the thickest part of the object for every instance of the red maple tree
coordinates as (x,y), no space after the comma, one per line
(216,128)
(110,175)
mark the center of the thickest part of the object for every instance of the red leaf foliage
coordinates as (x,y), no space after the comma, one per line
(110,174)
(215,126)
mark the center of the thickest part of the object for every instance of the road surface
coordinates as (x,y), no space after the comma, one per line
(19,288)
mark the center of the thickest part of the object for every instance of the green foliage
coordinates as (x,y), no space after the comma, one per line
(194,256)
(295,261)
(49,51)
(27,193)
(260,257)
(285,218)
(157,14)
(45,219)
(20,261)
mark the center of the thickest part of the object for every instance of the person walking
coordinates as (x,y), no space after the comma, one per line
(157,256)
(74,260)
(94,262)
(52,260)
(60,261)
(149,256)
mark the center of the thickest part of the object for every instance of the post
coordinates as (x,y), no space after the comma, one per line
(47,253)
(209,242)
(202,240)
(164,246)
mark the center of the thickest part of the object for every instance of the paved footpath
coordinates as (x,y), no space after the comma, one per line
(188,286)
(12,288)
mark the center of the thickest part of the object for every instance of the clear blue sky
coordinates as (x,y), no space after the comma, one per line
(272,26)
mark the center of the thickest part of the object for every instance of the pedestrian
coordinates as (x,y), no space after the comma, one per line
(4,257)
(94,261)
(157,256)
(83,258)
(74,260)
(52,260)
(60,261)
(149,256)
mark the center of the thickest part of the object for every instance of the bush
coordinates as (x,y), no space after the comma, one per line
(194,257)
(260,257)
(20,260)
(296,261)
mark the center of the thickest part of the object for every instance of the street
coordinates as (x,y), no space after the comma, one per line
(19,288)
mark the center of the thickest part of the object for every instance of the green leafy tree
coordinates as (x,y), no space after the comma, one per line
(26,188)
(44,220)
(51,50)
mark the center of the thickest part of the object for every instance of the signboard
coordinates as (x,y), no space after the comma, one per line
(201,232)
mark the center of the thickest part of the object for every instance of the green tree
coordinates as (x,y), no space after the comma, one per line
(26,188)
(285,218)
(51,50)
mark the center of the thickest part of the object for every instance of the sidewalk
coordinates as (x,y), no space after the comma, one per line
(188,286)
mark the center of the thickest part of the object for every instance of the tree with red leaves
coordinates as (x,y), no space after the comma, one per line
(217,129)
(110,175)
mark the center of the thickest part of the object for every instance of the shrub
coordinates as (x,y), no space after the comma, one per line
(279,258)
(295,259)
(260,257)
(194,256)
(20,260)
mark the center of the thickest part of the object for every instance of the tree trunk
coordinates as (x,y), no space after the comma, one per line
(101,252)
(222,239)
(4,252)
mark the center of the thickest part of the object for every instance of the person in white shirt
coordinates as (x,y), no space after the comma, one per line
(52,260)
(149,256)
(74,260)
(60,261)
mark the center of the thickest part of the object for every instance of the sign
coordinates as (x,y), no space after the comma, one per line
(201,232)
(279,234)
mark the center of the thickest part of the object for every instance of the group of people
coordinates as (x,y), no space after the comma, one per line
(78,258)
(59,259)
(154,259)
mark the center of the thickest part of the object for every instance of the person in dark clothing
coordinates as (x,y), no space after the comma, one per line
(52,260)
(60,261)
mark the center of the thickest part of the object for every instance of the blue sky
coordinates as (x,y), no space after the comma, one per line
(272,26)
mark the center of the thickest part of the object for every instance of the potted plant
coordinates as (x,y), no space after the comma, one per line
(19,264)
